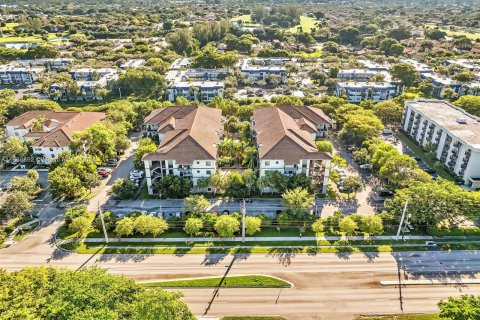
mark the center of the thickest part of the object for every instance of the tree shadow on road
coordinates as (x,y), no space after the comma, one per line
(139,256)
(371,256)
(284,255)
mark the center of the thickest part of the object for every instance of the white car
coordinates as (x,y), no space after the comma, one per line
(366,166)
(136,174)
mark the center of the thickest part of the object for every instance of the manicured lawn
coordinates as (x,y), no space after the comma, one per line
(9,26)
(307,24)
(246,21)
(51,36)
(402,317)
(253,281)
(442,171)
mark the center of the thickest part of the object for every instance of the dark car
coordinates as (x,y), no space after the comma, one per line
(385,193)
(429,170)
(259,93)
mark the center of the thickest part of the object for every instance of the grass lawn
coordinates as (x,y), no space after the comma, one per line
(402,317)
(441,170)
(307,24)
(246,20)
(253,281)
(451,33)
(51,36)
(9,26)
(143,195)
(83,104)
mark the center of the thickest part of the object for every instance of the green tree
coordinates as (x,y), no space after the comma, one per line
(79,226)
(182,41)
(196,204)
(193,226)
(42,51)
(469,103)
(173,187)
(297,200)
(433,202)
(349,35)
(405,73)
(389,113)
(143,83)
(74,212)
(226,226)
(318,226)
(324,146)
(12,148)
(123,189)
(73,177)
(252,225)
(359,128)
(125,227)
(372,225)
(401,170)
(348,226)
(147,224)
(80,294)
(27,184)
(467,307)
(352,185)
(145,146)
(16,205)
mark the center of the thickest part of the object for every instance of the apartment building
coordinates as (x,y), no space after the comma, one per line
(132,64)
(370,65)
(470,64)
(356,74)
(49,63)
(204,91)
(90,82)
(50,132)
(454,133)
(15,74)
(358,91)
(420,67)
(258,69)
(188,138)
(286,144)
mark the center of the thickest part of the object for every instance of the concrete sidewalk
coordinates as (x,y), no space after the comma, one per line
(430,282)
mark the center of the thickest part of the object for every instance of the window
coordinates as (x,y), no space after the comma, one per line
(276,162)
(267,163)
(51,149)
(198,171)
(209,189)
(52,156)
(208,163)
(209,172)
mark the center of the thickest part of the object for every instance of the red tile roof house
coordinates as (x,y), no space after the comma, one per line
(188,137)
(285,137)
(57,130)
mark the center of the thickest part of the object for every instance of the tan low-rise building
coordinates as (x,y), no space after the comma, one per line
(50,132)
(285,137)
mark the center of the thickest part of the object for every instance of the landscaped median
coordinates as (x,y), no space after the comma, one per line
(258,245)
(249,281)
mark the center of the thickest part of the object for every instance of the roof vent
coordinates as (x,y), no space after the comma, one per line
(462,120)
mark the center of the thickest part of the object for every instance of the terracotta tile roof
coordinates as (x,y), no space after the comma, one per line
(190,133)
(279,135)
(62,125)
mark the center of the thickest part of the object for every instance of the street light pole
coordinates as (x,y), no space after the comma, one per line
(244,212)
(103,222)
(401,220)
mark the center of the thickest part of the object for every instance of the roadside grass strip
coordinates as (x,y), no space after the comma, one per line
(402,317)
(252,318)
(250,281)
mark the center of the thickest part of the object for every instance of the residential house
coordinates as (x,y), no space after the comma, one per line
(454,134)
(56,132)
(188,138)
(285,142)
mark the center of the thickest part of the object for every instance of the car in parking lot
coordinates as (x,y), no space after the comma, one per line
(104,172)
(366,166)
(385,193)
(259,93)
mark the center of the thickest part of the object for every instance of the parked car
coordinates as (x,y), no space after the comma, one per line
(366,166)
(112,162)
(429,170)
(104,172)
(136,174)
(385,193)
(259,93)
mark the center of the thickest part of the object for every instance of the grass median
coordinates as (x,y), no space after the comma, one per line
(251,281)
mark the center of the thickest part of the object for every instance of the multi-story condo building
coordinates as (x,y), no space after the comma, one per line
(420,67)
(359,91)
(204,91)
(454,133)
(370,65)
(50,132)
(356,74)
(470,64)
(180,63)
(132,64)
(90,74)
(258,69)
(14,74)
(49,63)
(441,83)
(285,142)
(188,138)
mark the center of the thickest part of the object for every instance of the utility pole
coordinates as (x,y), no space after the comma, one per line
(401,220)
(244,212)
(103,222)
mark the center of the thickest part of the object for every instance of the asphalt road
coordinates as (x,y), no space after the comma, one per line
(326,286)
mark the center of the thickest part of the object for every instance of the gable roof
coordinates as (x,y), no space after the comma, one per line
(62,125)
(279,136)
(190,133)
